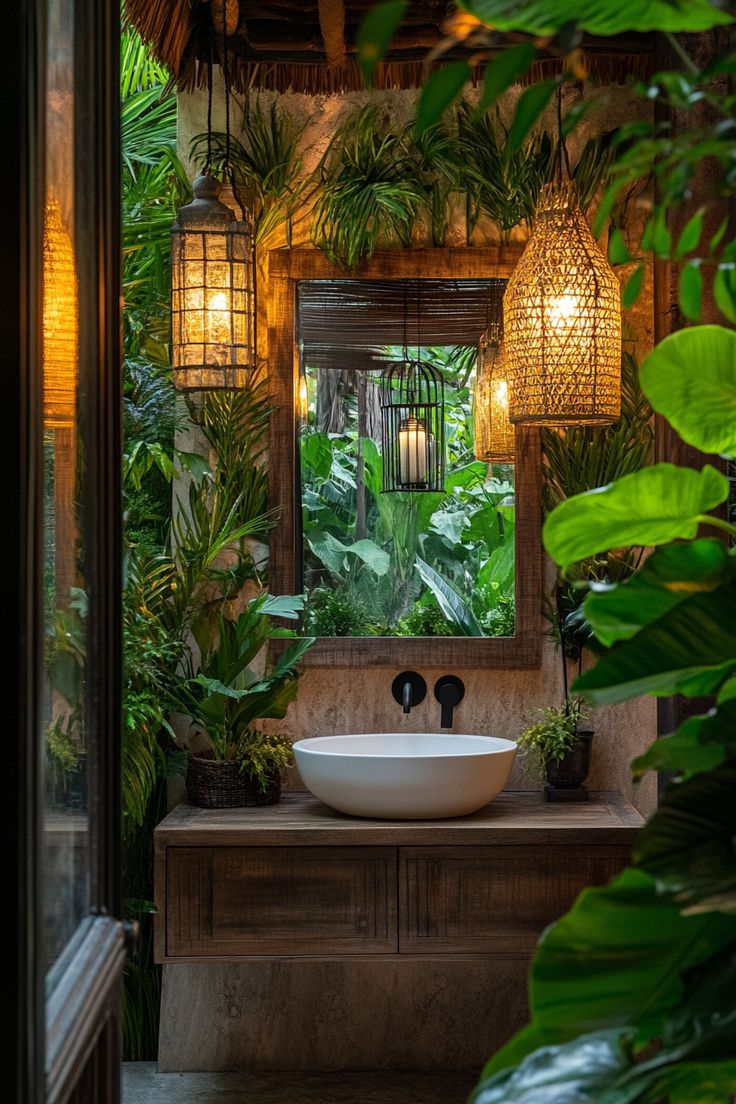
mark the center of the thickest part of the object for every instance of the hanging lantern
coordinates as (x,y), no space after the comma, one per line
(60,322)
(495,436)
(413,427)
(562,322)
(212,293)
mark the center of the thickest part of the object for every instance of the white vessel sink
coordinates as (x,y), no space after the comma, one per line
(405,776)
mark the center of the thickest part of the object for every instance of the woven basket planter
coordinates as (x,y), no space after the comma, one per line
(216,785)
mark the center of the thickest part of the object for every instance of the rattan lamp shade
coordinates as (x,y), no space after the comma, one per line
(60,322)
(562,322)
(495,436)
(212,294)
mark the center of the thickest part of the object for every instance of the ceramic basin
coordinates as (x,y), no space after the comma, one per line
(405,776)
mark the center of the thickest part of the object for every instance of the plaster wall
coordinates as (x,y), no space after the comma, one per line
(497,702)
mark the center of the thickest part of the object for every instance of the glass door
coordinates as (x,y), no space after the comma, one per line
(65,558)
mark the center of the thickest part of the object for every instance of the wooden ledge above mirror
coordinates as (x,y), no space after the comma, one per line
(428,272)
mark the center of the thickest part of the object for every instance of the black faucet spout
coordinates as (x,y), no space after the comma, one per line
(408,689)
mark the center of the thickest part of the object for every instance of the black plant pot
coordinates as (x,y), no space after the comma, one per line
(215,785)
(565,778)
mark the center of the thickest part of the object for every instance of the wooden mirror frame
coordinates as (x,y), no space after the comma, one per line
(288,268)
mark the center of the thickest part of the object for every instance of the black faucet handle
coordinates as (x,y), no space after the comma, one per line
(449,692)
(408,689)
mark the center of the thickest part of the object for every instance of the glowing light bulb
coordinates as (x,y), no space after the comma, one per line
(501,394)
(218,318)
(562,309)
(413,448)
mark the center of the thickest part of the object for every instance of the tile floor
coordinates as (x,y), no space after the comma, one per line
(142,1084)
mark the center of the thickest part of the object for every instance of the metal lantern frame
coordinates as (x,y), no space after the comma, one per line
(412,399)
(213,293)
(562,322)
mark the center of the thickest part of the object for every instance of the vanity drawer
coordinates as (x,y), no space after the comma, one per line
(493,899)
(231,901)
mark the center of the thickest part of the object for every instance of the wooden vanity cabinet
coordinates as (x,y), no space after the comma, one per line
(294,938)
(297,879)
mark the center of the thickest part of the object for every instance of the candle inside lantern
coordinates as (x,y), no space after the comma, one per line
(414,443)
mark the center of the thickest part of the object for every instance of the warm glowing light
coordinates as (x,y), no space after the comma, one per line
(562,309)
(303,398)
(562,322)
(212,293)
(495,436)
(60,321)
(413,448)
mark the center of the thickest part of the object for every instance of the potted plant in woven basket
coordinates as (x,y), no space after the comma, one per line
(226,698)
(559,744)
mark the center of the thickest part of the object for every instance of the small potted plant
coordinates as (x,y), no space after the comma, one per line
(560,745)
(227,698)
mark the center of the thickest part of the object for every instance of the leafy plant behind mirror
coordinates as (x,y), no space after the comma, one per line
(267,165)
(371,190)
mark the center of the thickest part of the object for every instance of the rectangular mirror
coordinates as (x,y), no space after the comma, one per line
(403,541)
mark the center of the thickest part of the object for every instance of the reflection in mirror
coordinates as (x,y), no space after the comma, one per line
(402,562)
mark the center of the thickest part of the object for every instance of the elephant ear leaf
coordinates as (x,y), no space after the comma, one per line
(653,506)
(670,575)
(699,404)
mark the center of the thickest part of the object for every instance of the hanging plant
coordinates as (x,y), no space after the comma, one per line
(371,190)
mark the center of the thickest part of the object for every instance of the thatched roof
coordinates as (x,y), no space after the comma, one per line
(309,45)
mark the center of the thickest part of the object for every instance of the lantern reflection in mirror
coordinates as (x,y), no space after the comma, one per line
(495,436)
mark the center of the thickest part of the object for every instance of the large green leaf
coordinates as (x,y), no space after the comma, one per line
(699,402)
(503,70)
(619,957)
(439,92)
(688,845)
(334,554)
(539,17)
(375,34)
(690,650)
(450,602)
(652,506)
(669,576)
(700,744)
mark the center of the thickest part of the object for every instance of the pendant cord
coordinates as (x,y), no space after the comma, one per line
(208,163)
(561,143)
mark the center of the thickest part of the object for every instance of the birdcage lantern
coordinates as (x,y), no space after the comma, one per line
(60,321)
(213,293)
(412,398)
(494,435)
(562,322)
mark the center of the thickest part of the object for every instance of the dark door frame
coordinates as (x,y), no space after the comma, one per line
(69,1048)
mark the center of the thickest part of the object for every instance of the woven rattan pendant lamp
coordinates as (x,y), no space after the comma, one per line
(213,281)
(412,399)
(562,318)
(494,435)
(60,321)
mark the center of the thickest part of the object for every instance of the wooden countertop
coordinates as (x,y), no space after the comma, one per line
(519,817)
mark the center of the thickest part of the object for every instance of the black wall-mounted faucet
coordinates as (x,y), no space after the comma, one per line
(408,689)
(449,692)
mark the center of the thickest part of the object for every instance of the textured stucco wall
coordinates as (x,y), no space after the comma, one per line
(334,700)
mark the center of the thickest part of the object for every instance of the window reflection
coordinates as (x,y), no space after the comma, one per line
(66,882)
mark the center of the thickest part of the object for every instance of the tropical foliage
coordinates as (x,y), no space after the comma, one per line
(406,563)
